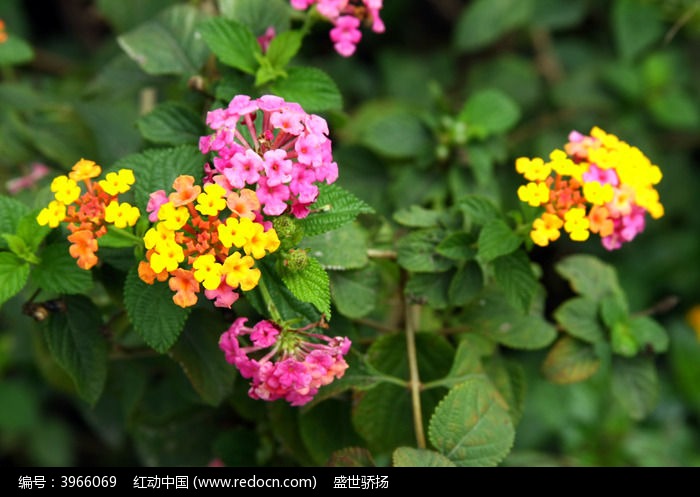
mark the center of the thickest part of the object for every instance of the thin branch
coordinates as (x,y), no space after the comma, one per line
(412,314)
(682,21)
(661,307)
(381,254)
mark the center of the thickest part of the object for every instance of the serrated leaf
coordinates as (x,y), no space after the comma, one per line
(258,16)
(156,169)
(14,50)
(579,318)
(14,273)
(310,284)
(458,246)
(168,44)
(509,379)
(649,334)
(466,284)
(19,247)
(429,288)
(232,43)
(326,428)
(310,87)
(336,206)
(197,351)
(478,209)
(484,21)
(416,216)
(408,457)
(588,276)
(471,425)
(31,232)
(76,342)
(497,239)
(153,313)
(351,457)
(354,293)
(171,123)
(11,212)
(467,362)
(58,272)
(635,384)
(339,249)
(636,25)
(514,275)
(570,361)
(416,251)
(489,112)
(283,47)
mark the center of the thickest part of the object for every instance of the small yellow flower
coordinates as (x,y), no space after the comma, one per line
(546,229)
(207,271)
(212,201)
(85,169)
(173,218)
(121,215)
(167,259)
(52,215)
(119,182)
(239,271)
(577,224)
(597,193)
(534,193)
(158,237)
(65,189)
(533,169)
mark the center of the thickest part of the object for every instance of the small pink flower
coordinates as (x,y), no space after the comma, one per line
(27,181)
(155,200)
(265,39)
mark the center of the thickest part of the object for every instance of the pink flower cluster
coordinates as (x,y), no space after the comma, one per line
(272,146)
(291,364)
(346,16)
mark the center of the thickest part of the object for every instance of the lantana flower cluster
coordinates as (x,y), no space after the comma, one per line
(289,364)
(346,16)
(89,212)
(597,184)
(3,33)
(205,237)
(272,147)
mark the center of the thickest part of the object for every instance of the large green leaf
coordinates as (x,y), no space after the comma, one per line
(471,425)
(579,318)
(589,276)
(497,239)
(257,15)
(354,292)
(422,458)
(310,284)
(554,14)
(635,385)
(58,272)
(30,231)
(14,50)
(11,211)
(417,251)
(432,289)
(168,44)
(458,246)
(336,207)
(416,216)
(14,273)
(479,209)
(152,312)
(649,334)
(636,25)
(76,341)
(232,43)
(171,123)
(508,376)
(339,249)
(466,283)
(310,87)
(489,112)
(127,14)
(570,361)
(484,21)
(514,275)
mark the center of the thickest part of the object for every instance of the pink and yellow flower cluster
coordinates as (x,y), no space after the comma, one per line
(205,237)
(597,184)
(289,364)
(89,212)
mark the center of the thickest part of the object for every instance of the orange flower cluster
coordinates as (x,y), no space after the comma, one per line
(3,33)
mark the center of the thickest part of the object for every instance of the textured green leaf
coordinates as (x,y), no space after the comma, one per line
(509,379)
(579,318)
(336,206)
(429,288)
(622,341)
(310,284)
(339,249)
(156,169)
(58,272)
(310,87)
(197,351)
(614,309)
(649,334)
(13,275)
(14,50)
(31,232)
(257,15)
(408,457)
(326,428)
(636,25)
(168,44)
(416,251)
(479,209)
(471,425)
(354,293)
(635,385)
(484,21)
(527,332)
(497,239)
(514,275)
(232,43)
(11,212)
(19,247)
(283,48)
(153,313)
(489,112)
(458,246)
(171,123)
(416,216)
(76,341)
(466,284)
(569,361)
(588,276)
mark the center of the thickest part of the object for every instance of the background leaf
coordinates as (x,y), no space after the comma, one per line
(423,458)
(570,361)
(635,385)
(232,43)
(14,273)
(171,123)
(310,87)
(58,272)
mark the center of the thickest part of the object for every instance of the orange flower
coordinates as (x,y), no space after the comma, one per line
(600,220)
(186,287)
(3,34)
(244,204)
(148,275)
(83,248)
(185,191)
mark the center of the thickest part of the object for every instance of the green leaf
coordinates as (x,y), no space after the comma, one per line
(479,209)
(392,131)
(416,216)
(635,385)
(11,212)
(497,239)
(58,272)
(484,21)
(171,123)
(21,410)
(354,293)
(570,361)
(119,238)
(553,14)
(509,379)
(636,25)
(18,247)
(416,251)
(466,284)
(649,334)
(684,361)
(458,246)
(326,428)
(14,273)
(168,44)
(76,341)
(310,284)
(527,333)
(336,206)
(614,309)
(326,247)
(579,318)
(127,14)
(156,169)
(232,43)
(31,232)
(197,351)
(588,276)
(237,447)
(622,341)
(675,109)
(14,51)
(257,15)
(310,87)
(283,48)
(351,457)
(408,457)
(471,425)
(514,275)
(489,112)
(429,288)
(152,312)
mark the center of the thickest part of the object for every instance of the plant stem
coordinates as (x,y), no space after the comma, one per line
(412,313)
(381,254)
(269,303)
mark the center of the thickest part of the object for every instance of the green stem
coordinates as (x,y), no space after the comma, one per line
(269,303)
(412,312)
(449,382)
